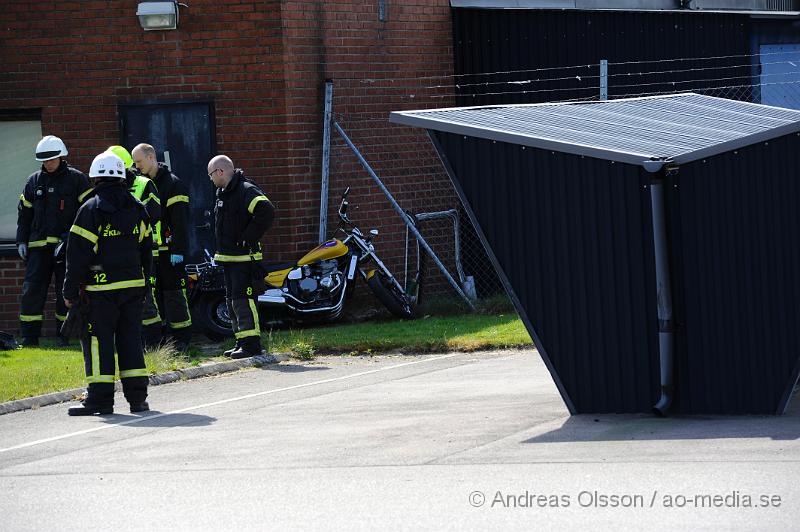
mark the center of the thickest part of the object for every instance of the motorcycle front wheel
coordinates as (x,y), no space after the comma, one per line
(396,301)
(212,313)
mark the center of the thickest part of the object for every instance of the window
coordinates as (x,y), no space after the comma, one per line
(19,133)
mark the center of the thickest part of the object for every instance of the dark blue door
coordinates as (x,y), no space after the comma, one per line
(183,136)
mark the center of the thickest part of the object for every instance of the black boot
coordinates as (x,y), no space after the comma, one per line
(242,353)
(30,341)
(249,347)
(90,409)
(229,352)
(139,407)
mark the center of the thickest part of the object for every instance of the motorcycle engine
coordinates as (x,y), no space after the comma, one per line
(318,280)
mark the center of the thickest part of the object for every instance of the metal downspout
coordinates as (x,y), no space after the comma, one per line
(666,328)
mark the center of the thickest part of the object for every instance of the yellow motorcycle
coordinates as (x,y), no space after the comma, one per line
(311,290)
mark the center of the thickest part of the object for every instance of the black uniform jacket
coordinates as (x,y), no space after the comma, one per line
(174,196)
(242,213)
(48,205)
(109,245)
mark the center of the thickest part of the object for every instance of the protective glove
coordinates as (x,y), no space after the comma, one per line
(175,259)
(22,249)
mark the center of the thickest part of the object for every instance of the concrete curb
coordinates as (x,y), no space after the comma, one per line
(162,378)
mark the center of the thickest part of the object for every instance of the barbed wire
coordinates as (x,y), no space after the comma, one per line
(454,95)
(610,75)
(582,65)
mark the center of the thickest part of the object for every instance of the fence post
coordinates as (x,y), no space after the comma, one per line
(604,79)
(326,156)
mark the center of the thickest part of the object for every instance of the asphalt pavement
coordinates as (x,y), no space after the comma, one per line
(460,441)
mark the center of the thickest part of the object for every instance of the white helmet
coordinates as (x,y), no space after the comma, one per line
(50,147)
(107,166)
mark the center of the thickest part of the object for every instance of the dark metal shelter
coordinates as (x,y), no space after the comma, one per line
(649,244)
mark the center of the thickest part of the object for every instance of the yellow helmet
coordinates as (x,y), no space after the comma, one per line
(123,154)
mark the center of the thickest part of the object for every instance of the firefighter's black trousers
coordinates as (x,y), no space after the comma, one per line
(151,319)
(39,269)
(171,282)
(115,321)
(242,306)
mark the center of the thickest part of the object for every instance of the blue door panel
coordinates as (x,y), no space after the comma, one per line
(183,136)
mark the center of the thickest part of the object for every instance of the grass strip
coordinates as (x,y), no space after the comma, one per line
(36,371)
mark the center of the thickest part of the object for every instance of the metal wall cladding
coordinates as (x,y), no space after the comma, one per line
(735,228)
(516,44)
(573,237)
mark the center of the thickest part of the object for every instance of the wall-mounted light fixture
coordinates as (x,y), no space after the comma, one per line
(158,15)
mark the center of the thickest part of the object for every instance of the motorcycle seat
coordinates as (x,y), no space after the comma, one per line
(278,266)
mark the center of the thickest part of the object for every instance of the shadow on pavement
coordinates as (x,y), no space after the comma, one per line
(632,427)
(169,420)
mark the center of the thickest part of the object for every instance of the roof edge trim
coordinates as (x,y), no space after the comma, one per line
(400,117)
(741,142)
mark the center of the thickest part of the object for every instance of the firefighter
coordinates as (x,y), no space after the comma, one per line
(242,214)
(109,252)
(173,244)
(144,190)
(46,209)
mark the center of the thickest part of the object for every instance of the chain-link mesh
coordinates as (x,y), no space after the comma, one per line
(406,162)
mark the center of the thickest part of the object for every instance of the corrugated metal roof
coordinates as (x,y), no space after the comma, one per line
(678,127)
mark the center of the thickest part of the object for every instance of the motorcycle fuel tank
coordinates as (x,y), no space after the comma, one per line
(329,250)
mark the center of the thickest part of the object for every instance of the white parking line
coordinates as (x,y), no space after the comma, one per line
(230,400)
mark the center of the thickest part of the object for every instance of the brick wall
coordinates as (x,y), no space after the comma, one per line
(263,64)
(370,62)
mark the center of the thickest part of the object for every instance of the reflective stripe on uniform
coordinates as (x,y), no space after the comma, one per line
(256,330)
(237,258)
(84,194)
(25,203)
(157,233)
(80,231)
(152,321)
(100,378)
(143,231)
(175,199)
(31,317)
(119,285)
(59,317)
(142,372)
(42,243)
(187,323)
(254,310)
(95,350)
(151,197)
(252,206)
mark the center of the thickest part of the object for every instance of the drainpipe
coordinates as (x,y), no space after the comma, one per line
(666,325)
